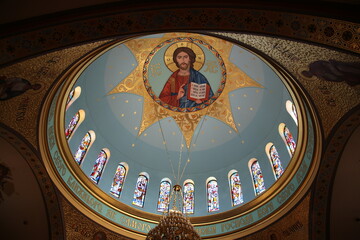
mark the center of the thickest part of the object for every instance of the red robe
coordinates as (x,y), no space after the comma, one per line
(171,88)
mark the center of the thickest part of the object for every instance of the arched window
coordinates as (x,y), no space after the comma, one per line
(74,123)
(212,194)
(189,196)
(99,165)
(290,107)
(235,188)
(257,177)
(119,179)
(140,190)
(164,195)
(73,95)
(288,138)
(274,158)
(84,146)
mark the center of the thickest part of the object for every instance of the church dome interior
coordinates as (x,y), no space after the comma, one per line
(230,153)
(179,120)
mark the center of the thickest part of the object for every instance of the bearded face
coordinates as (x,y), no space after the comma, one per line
(183,61)
(184,66)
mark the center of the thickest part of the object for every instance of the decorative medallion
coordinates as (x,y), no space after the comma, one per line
(155,79)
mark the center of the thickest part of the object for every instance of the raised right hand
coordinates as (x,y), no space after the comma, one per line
(181,92)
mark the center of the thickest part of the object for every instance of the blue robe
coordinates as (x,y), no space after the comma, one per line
(196,77)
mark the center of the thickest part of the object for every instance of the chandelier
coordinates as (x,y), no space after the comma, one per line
(174,225)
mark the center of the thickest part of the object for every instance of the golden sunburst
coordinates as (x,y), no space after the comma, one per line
(187,121)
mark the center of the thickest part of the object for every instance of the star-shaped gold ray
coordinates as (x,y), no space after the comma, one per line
(187,121)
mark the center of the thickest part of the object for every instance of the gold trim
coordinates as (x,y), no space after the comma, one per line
(280,184)
(69,78)
(49,164)
(187,121)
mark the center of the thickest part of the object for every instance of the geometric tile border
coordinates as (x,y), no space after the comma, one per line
(47,34)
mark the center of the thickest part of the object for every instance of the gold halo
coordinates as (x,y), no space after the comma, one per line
(168,56)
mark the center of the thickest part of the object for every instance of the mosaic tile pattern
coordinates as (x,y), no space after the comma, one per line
(331,32)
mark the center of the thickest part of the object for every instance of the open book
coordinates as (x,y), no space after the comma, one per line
(198,91)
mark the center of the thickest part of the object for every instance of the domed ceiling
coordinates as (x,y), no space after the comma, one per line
(120,92)
(185,108)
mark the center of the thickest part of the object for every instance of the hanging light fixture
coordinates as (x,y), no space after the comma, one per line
(174,225)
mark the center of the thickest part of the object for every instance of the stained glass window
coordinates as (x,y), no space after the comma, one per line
(70,97)
(212,195)
(290,107)
(99,165)
(189,198)
(235,188)
(140,191)
(164,195)
(83,147)
(258,180)
(119,179)
(275,161)
(73,95)
(74,123)
(290,142)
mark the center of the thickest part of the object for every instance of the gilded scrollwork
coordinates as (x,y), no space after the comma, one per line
(153,111)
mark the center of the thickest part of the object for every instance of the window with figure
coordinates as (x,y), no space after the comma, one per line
(189,197)
(257,177)
(235,188)
(287,138)
(212,194)
(74,123)
(164,195)
(84,146)
(140,189)
(119,179)
(99,165)
(274,158)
